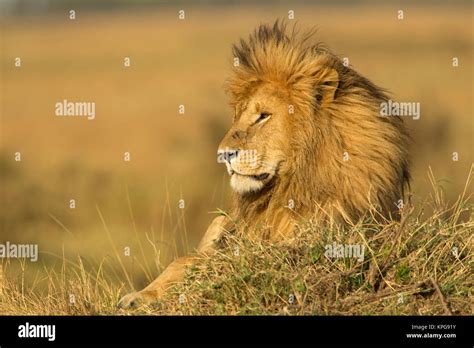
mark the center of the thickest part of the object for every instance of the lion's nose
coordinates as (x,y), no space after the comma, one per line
(227,155)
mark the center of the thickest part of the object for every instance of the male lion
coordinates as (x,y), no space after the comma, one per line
(307,140)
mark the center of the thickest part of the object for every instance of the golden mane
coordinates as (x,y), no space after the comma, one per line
(346,156)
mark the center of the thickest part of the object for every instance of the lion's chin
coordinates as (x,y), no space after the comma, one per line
(243,184)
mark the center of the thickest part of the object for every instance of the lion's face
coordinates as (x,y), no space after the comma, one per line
(257,144)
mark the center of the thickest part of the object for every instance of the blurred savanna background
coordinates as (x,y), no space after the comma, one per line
(131,218)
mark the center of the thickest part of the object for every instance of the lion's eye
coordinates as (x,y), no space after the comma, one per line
(263,116)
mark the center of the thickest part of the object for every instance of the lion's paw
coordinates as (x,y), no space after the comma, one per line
(132,300)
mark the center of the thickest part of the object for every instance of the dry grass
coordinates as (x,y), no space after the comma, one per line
(420,265)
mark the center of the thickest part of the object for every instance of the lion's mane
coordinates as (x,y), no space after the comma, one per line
(347,158)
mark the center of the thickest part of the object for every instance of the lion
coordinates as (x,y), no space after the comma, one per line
(307,140)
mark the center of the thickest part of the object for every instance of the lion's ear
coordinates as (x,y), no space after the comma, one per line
(328,82)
